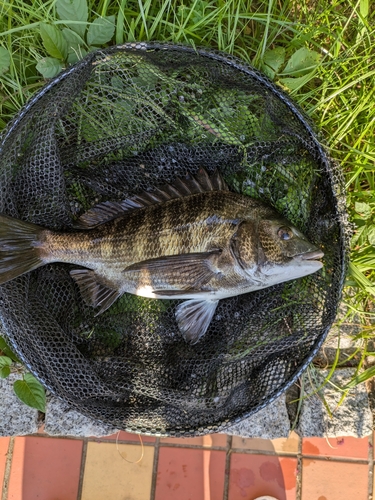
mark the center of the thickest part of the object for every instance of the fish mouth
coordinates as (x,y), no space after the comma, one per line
(315,255)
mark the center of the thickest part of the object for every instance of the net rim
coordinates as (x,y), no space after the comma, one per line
(322,154)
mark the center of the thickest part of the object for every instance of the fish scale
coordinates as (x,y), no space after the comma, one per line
(143,236)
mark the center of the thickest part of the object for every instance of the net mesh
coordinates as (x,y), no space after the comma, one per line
(128,119)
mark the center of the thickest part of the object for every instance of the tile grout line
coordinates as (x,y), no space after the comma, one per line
(328,458)
(371,466)
(296,454)
(193,446)
(227,467)
(8,465)
(299,470)
(155,468)
(82,467)
(269,453)
(137,443)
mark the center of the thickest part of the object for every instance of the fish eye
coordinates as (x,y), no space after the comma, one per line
(285,233)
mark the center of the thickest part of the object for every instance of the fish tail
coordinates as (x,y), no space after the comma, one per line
(20,247)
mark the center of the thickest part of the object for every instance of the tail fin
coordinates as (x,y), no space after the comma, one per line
(19,247)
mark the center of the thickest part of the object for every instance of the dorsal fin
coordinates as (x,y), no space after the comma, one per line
(104,212)
(109,210)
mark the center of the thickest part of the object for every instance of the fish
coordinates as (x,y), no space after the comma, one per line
(191,239)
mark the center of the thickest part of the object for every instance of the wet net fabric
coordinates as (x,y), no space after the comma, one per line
(129,119)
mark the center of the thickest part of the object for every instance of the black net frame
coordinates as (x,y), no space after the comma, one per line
(128,119)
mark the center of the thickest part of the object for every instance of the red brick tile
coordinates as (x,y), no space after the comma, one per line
(190,474)
(346,447)
(206,441)
(128,436)
(324,480)
(45,469)
(4,445)
(252,476)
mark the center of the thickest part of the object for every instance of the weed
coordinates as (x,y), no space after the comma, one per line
(321,52)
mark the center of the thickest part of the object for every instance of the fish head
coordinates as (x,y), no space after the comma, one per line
(274,251)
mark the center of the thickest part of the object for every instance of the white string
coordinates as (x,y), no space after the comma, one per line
(126,460)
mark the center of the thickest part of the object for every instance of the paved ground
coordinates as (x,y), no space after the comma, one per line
(213,467)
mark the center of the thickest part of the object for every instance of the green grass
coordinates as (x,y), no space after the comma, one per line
(335,85)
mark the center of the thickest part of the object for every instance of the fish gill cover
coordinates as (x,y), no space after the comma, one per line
(130,119)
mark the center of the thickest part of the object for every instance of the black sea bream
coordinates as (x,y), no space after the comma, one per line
(193,239)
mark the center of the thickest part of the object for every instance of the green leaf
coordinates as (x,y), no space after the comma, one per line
(274,58)
(364,8)
(4,371)
(361,279)
(296,83)
(53,41)
(101,30)
(72,38)
(49,67)
(268,71)
(302,61)
(362,377)
(31,392)
(5,363)
(75,56)
(360,237)
(371,235)
(5,360)
(7,351)
(75,46)
(73,10)
(4,60)
(363,209)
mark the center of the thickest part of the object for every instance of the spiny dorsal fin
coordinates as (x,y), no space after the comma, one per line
(179,188)
(200,183)
(104,212)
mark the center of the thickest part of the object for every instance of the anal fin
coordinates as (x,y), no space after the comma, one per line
(194,317)
(93,290)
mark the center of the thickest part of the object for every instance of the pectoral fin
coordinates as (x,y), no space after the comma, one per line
(194,317)
(182,272)
(93,290)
